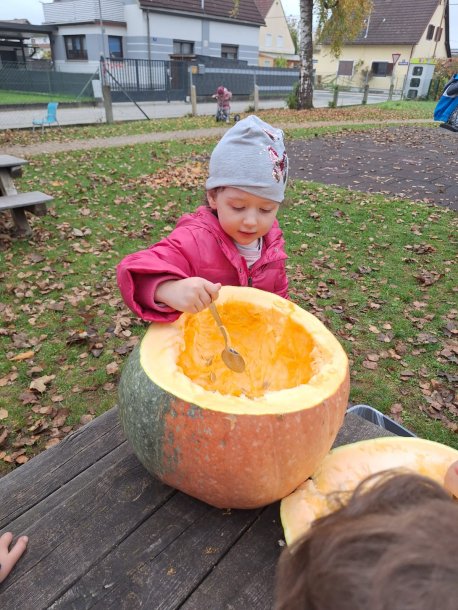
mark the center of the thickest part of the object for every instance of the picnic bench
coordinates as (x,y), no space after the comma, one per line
(19,203)
(103,533)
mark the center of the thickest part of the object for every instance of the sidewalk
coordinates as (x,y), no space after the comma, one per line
(84,115)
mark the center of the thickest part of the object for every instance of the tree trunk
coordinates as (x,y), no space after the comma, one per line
(306,55)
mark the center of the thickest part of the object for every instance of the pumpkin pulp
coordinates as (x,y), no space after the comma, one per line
(277,350)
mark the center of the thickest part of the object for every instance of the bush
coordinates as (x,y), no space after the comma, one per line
(292,101)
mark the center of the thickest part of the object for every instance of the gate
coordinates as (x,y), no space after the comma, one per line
(146,80)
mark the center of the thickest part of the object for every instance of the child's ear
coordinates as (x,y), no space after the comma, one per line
(211,198)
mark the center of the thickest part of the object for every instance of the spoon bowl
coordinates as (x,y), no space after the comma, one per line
(231,358)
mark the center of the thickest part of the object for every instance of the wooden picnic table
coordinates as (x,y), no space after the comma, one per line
(103,533)
(19,203)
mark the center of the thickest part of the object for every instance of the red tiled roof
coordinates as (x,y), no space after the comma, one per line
(264,6)
(247,10)
(397,22)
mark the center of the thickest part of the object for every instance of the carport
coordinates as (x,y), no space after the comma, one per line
(15,40)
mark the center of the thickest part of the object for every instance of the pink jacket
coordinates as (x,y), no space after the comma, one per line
(198,247)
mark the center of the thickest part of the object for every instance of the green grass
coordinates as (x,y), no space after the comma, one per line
(21,98)
(356,261)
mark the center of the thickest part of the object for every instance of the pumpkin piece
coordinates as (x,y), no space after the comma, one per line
(345,467)
(235,440)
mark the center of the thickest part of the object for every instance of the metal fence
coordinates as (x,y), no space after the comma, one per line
(41,77)
(146,80)
(155,80)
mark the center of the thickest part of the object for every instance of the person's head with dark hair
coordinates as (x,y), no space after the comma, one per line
(393,546)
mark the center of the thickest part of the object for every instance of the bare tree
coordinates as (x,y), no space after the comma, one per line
(338,21)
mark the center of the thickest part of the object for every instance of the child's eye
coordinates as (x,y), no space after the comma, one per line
(266,211)
(237,208)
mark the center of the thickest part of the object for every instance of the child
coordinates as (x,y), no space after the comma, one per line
(9,558)
(392,547)
(234,240)
(223,97)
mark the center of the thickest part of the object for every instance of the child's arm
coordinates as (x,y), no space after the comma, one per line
(9,558)
(192,294)
(173,259)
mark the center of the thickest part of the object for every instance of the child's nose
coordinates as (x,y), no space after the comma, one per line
(249,219)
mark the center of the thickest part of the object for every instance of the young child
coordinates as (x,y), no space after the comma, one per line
(223,97)
(234,240)
(9,558)
(392,547)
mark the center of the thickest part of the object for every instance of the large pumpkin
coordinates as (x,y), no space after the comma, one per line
(235,440)
(345,467)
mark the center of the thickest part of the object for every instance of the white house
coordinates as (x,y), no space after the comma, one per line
(151,29)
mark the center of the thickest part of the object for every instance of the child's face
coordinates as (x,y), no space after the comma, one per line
(243,216)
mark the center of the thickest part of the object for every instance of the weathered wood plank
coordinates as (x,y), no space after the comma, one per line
(47,472)
(10,161)
(78,525)
(22,200)
(160,564)
(245,576)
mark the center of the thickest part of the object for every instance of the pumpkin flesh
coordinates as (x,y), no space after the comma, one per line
(345,467)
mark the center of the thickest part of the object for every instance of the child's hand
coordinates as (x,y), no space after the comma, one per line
(192,294)
(9,558)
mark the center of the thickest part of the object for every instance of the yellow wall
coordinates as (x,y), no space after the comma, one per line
(326,65)
(275,26)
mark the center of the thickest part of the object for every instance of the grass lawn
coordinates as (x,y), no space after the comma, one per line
(22,97)
(379,272)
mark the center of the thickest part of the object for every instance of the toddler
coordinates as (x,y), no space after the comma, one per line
(392,547)
(234,240)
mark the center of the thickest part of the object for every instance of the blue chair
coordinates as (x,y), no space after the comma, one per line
(49,119)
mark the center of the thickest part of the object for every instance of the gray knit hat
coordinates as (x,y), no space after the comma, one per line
(251,156)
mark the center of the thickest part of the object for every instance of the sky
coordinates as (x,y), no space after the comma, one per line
(31,10)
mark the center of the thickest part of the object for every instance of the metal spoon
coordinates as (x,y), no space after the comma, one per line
(231,358)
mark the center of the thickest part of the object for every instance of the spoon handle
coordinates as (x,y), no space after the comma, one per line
(221,326)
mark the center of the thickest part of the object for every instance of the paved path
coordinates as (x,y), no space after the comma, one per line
(127,111)
(210,132)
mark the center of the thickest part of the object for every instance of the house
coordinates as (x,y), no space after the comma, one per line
(398,46)
(152,30)
(274,38)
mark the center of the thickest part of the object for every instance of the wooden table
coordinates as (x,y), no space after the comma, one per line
(19,203)
(104,534)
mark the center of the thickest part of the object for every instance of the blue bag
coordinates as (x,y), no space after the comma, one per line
(448,102)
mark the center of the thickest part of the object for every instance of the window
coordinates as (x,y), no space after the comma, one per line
(345,68)
(417,71)
(229,51)
(280,42)
(115,46)
(415,82)
(382,68)
(75,47)
(438,34)
(268,40)
(430,32)
(183,47)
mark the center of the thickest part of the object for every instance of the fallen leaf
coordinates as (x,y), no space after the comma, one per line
(112,368)
(3,413)
(23,356)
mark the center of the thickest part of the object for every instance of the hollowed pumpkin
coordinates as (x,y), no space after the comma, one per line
(235,440)
(345,467)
